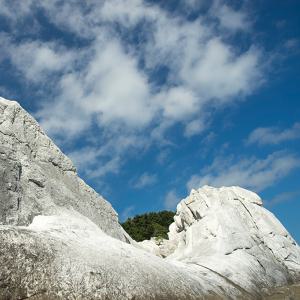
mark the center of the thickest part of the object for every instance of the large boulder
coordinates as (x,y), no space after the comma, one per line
(60,240)
(227,230)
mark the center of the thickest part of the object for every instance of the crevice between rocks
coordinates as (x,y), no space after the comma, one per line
(248,212)
(37,182)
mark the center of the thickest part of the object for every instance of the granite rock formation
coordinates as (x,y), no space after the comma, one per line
(59,239)
(228,231)
(38,179)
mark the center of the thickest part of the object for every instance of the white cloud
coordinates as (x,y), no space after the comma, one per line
(273,135)
(145,180)
(85,157)
(252,173)
(128,12)
(95,162)
(110,88)
(109,166)
(106,87)
(15,9)
(127,213)
(119,91)
(102,158)
(229,18)
(163,156)
(220,74)
(171,200)
(37,60)
(194,127)
(193,3)
(178,103)
(282,198)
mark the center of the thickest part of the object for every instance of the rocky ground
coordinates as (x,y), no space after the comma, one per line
(289,292)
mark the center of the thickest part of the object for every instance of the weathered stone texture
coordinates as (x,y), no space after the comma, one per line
(38,179)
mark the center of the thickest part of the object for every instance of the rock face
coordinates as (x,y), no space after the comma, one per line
(60,240)
(38,179)
(228,231)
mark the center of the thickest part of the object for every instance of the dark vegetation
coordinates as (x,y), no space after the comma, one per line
(145,226)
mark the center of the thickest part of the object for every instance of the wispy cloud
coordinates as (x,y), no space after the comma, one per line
(127,213)
(100,159)
(103,83)
(171,200)
(145,180)
(273,135)
(38,60)
(282,198)
(253,173)
(230,19)
(292,44)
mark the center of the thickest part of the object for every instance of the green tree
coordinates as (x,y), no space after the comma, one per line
(148,225)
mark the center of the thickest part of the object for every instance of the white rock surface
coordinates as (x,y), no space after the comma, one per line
(60,240)
(38,179)
(228,231)
(150,246)
(158,246)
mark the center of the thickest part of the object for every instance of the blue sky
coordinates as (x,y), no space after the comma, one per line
(153,98)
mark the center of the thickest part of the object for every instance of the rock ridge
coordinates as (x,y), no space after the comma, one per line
(49,180)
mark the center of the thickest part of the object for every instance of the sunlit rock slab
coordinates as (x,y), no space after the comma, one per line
(38,179)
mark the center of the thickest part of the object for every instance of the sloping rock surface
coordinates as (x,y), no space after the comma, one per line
(60,240)
(38,179)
